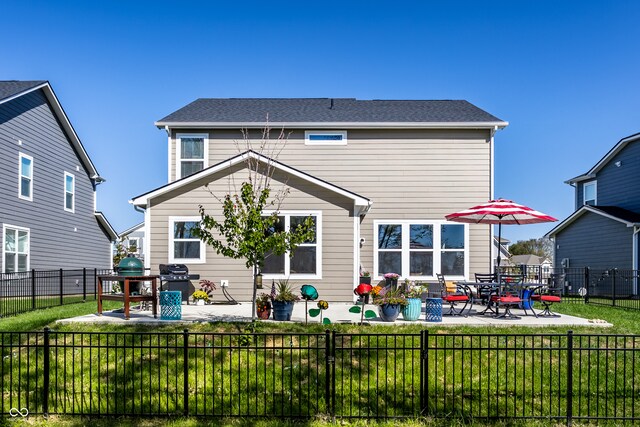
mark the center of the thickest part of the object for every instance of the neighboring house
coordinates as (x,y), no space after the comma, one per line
(377,176)
(503,247)
(530,260)
(48,186)
(133,240)
(603,231)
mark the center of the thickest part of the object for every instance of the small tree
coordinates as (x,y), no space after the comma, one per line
(246,232)
(540,247)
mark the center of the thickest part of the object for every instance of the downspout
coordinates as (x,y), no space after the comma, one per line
(492,247)
(146,247)
(636,264)
(169,158)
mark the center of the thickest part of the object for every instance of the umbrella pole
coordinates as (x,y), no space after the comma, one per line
(499,247)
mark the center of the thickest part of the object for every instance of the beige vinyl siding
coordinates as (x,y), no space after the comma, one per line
(337,235)
(407,174)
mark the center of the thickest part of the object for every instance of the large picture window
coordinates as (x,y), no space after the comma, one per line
(420,249)
(306,260)
(15,248)
(184,246)
(191,154)
(25,184)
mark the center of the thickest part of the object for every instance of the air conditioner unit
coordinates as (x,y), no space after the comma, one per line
(565,262)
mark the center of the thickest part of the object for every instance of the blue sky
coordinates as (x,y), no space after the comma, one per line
(564,74)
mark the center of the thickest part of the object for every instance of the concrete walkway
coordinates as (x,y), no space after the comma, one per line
(338,312)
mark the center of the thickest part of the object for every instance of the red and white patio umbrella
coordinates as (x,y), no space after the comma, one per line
(500,212)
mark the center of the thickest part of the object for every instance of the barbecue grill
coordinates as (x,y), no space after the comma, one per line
(176,277)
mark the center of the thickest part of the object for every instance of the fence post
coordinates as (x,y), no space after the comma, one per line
(569,377)
(84,284)
(61,285)
(329,348)
(613,285)
(46,368)
(185,369)
(424,370)
(586,284)
(95,284)
(33,289)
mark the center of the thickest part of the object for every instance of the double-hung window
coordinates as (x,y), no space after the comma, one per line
(15,248)
(306,260)
(25,183)
(420,249)
(192,151)
(184,246)
(590,191)
(69,192)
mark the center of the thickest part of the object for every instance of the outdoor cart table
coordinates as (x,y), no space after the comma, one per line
(125,296)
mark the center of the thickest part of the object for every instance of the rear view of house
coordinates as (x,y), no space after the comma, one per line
(377,177)
(47,185)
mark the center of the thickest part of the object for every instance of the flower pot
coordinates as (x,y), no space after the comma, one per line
(282,310)
(389,312)
(199,302)
(412,310)
(365,279)
(393,283)
(264,313)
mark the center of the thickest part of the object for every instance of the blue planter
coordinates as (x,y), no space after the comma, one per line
(389,312)
(412,310)
(282,310)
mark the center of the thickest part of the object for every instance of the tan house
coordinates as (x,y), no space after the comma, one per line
(377,176)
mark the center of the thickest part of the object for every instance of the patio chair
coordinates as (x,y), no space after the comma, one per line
(455,294)
(508,296)
(547,295)
(484,293)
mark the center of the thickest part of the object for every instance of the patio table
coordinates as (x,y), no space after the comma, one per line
(496,288)
(126,297)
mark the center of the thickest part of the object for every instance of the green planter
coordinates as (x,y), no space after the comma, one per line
(282,310)
(412,311)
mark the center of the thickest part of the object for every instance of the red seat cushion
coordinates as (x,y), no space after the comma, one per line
(550,298)
(455,298)
(509,300)
(536,297)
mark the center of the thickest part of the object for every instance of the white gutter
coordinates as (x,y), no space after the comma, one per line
(337,125)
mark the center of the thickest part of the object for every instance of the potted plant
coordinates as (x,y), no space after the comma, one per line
(200,297)
(413,309)
(392,280)
(263,306)
(284,300)
(365,277)
(389,301)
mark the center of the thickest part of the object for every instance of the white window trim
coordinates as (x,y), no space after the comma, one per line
(4,236)
(20,157)
(584,192)
(137,240)
(287,259)
(73,192)
(179,159)
(203,247)
(343,133)
(437,250)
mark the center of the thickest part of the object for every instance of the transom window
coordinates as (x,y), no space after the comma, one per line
(192,154)
(306,260)
(420,249)
(328,137)
(590,193)
(15,248)
(69,192)
(184,246)
(25,190)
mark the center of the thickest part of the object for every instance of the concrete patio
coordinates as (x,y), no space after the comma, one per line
(338,312)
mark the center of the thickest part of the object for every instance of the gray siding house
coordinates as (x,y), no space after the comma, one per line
(133,240)
(377,176)
(47,185)
(603,232)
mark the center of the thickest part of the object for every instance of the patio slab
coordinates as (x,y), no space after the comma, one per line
(338,312)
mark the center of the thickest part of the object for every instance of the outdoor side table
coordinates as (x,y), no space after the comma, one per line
(170,305)
(125,296)
(433,309)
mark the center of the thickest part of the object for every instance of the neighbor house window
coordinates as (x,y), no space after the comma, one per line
(590,193)
(334,137)
(184,246)
(306,260)
(420,249)
(25,190)
(191,154)
(134,245)
(69,192)
(15,248)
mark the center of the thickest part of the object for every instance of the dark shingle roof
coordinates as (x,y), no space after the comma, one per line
(621,213)
(9,88)
(329,110)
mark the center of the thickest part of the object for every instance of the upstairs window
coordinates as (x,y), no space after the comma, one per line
(328,137)
(192,154)
(25,184)
(69,192)
(590,193)
(15,248)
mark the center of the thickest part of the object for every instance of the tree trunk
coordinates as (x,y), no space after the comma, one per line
(254,315)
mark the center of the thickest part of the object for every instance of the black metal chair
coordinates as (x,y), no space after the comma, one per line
(485,292)
(454,295)
(548,295)
(509,296)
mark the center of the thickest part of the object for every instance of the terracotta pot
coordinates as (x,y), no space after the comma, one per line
(264,314)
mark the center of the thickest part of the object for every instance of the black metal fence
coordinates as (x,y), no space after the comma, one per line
(35,289)
(555,377)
